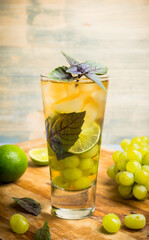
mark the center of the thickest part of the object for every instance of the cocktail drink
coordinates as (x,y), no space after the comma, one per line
(74,101)
(74,114)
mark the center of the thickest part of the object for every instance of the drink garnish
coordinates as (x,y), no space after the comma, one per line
(90,69)
(63,132)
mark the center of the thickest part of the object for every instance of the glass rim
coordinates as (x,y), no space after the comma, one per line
(82,80)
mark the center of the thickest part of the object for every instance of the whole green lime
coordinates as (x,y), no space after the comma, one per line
(13,163)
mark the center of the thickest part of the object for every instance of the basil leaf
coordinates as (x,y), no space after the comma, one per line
(97,67)
(43,233)
(88,67)
(64,131)
(29,204)
(79,69)
(75,70)
(60,73)
(70,60)
(96,79)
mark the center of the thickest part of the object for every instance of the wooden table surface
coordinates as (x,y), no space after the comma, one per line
(113,32)
(35,184)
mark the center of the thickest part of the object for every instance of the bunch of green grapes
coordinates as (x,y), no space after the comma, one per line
(131,168)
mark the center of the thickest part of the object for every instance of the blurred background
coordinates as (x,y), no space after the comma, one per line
(113,32)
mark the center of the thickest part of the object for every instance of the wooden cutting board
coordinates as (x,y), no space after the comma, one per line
(35,183)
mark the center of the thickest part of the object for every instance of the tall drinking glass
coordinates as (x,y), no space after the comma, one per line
(74,114)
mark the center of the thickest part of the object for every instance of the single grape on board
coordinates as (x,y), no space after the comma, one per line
(135,221)
(111,223)
(19,224)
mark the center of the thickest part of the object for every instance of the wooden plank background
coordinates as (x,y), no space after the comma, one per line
(32,34)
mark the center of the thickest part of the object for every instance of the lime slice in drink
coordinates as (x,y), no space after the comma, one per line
(88,137)
(39,156)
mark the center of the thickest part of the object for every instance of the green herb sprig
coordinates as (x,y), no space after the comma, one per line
(89,69)
(63,131)
(29,204)
(43,233)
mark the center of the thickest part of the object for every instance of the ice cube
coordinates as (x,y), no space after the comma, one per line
(71,89)
(69,104)
(91,109)
(87,87)
(99,96)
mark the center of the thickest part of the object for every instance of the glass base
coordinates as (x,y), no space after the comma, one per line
(73,204)
(72,213)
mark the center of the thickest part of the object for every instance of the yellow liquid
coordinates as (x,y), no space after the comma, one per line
(68,97)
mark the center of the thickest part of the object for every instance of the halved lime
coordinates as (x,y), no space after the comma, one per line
(88,137)
(39,156)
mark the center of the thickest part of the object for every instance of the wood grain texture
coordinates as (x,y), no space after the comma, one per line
(32,34)
(35,183)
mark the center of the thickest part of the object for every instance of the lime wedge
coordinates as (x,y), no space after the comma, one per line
(39,156)
(88,137)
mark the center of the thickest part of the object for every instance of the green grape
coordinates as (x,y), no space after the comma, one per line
(121,164)
(145,159)
(123,156)
(129,196)
(140,192)
(124,191)
(86,163)
(72,162)
(143,150)
(135,221)
(94,169)
(115,156)
(60,182)
(19,224)
(136,140)
(91,153)
(91,171)
(124,143)
(112,171)
(146,168)
(133,146)
(134,155)
(57,165)
(141,177)
(82,183)
(133,166)
(126,178)
(145,139)
(71,174)
(111,223)
(117,177)
(147,186)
